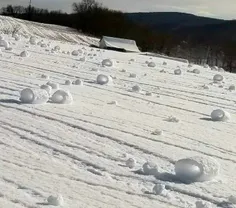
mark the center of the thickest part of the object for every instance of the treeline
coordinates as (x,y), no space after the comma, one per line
(91,17)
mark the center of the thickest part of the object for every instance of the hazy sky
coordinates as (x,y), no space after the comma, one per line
(214,8)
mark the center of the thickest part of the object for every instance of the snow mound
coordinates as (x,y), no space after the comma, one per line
(202,204)
(107,62)
(62,97)
(150,168)
(218,78)
(103,79)
(34,96)
(158,189)
(24,54)
(54,86)
(220,115)
(47,88)
(136,88)
(151,64)
(68,82)
(131,163)
(196,169)
(177,72)
(55,200)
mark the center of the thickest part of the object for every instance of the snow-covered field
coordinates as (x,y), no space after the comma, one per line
(80,150)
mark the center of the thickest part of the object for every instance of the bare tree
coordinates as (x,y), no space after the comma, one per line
(85,5)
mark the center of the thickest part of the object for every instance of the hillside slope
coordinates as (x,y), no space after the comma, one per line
(80,150)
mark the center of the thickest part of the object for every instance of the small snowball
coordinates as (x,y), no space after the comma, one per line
(136,88)
(68,82)
(218,78)
(196,71)
(123,70)
(103,79)
(205,87)
(232,199)
(55,200)
(95,69)
(220,115)
(54,86)
(132,75)
(57,48)
(196,169)
(159,189)
(34,96)
(164,63)
(202,204)
(157,132)
(131,163)
(177,72)
(206,66)
(47,88)
(163,71)
(62,97)
(190,65)
(83,59)
(132,60)
(78,82)
(24,54)
(173,119)
(75,53)
(150,168)
(149,94)
(232,87)
(151,64)
(44,76)
(43,45)
(107,62)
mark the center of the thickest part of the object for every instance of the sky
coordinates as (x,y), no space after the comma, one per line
(211,8)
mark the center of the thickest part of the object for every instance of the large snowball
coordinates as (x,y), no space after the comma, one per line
(34,96)
(54,86)
(4,43)
(196,169)
(218,78)
(107,62)
(24,54)
(62,97)
(55,200)
(151,64)
(150,168)
(103,79)
(220,115)
(131,163)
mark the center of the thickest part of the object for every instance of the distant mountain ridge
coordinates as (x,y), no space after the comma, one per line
(185,24)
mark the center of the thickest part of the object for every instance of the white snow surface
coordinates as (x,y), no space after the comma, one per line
(80,150)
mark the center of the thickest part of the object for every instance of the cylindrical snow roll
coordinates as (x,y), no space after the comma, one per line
(196,169)
(34,96)
(62,97)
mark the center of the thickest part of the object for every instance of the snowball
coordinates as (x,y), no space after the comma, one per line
(196,71)
(123,70)
(95,69)
(214,68)
(57,48)
(132,75)
(220,115)
(34,96)
(131,163)
(83,59)
(75,53)
(151,64)
(190,65)
(159,189)
(202,204)
(55,200)
(232,199)
(33,40)
(149,93)
(150,168)
(43,45)
(136,88)
(17,38)
(157,132)
(232,87)
(24,54)
(196,169)
(164,63)
(43,76)
(218,78)
(173,119)
(132,60)
(54,86)
(68,53)
(107,62)
(177,72)
(206,66)
(47,88)
(68,82)
(4,43)
(113,102)
(103,79)
(163,71)
(62,97)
